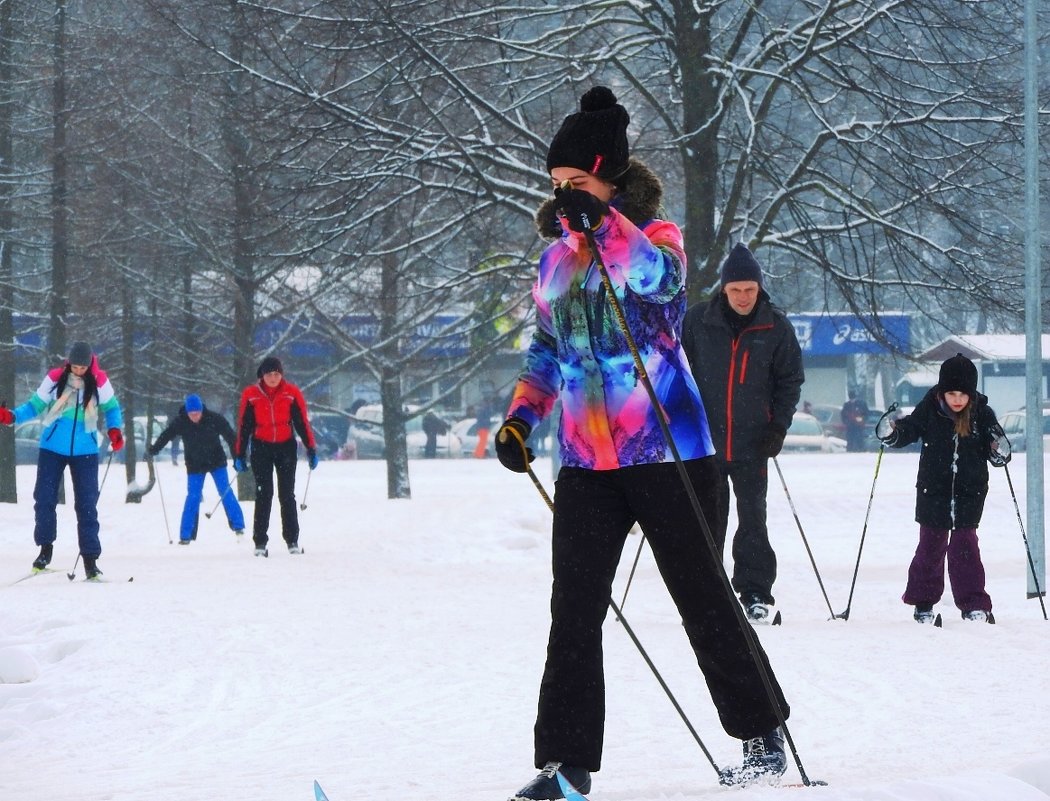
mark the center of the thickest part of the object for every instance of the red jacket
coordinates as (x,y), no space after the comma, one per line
(270,415)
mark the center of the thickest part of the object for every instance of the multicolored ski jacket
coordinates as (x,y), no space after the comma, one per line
(71,421)
(579,350)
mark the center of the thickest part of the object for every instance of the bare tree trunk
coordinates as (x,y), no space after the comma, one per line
(56,337)
(397,483)
(699,153)
(129,391)
(8,488)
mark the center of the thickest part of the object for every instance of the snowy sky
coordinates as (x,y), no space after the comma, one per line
(400,656)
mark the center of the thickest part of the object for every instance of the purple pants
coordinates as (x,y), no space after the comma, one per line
(965,571)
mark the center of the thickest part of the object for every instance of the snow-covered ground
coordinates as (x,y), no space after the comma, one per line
(399,657)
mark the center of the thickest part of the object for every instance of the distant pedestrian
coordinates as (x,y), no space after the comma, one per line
(854,416)
(70,399)
(960,435)
(272,411)
(202,431)
(433,427)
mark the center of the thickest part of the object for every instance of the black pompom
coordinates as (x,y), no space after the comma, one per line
(598,98)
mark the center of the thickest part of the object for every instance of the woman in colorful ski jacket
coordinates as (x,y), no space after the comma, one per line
(960,435)
(272,411)
(70,399)
(617,468)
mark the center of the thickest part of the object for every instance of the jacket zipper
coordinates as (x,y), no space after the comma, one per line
(743,375)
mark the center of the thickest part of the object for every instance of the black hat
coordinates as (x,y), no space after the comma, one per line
(741,265)
(80,354)
(594,139)
(958,374)
(268,365)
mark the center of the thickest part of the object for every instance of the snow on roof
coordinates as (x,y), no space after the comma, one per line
(985,347)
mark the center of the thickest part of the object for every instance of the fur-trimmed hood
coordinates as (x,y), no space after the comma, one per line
(638,200)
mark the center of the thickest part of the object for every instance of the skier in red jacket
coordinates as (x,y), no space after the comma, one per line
(271,412)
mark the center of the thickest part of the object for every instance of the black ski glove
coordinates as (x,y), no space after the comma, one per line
(512,453)
(772,440)
(582,210)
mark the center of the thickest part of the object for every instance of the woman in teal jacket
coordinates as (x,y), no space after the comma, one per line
(70,399)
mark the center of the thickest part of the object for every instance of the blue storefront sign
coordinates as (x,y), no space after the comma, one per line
(846,334)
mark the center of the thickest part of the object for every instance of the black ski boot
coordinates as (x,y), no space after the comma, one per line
(764,761)
(545,786)
(91,571)
(44,559)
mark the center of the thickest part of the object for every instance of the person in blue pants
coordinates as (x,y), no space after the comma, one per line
(202,432)
(70,400)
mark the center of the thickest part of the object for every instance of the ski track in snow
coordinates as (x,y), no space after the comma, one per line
(400,656)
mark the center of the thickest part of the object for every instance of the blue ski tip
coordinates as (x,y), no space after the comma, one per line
(318,792)
(570,792)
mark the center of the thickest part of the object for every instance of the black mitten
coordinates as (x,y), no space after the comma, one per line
(582,210)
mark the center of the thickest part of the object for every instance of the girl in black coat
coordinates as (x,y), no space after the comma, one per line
(960,435)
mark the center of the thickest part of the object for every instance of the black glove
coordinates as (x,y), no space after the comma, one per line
(511,452)
(772,440)
(582,210)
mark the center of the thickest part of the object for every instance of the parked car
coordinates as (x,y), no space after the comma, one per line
(27,442)
(365,439)
(830,417)
(1014,426)
(808,436)
(330,431)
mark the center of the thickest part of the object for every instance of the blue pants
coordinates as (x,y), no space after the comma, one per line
(84,471)
(194,494)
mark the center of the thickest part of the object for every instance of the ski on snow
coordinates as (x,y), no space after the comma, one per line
(318,792)
(35,572)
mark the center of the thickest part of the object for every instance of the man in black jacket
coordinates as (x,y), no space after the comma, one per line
(746,360)
(202,432)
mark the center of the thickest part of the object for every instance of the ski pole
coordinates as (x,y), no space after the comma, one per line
(73,573)
(634,566)
(163,509)
(302,506)
(878,461)
(215,508)
(805,542)
(1024,537)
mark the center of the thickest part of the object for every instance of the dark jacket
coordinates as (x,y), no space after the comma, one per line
(201,443)
(748,380)
(936,485)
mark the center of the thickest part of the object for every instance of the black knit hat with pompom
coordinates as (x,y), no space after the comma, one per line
(594,139)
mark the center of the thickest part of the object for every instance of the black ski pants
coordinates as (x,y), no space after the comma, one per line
(594,510)
(754,561)
(267,458)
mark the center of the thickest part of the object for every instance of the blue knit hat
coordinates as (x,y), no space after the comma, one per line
(741,265)
(194,404)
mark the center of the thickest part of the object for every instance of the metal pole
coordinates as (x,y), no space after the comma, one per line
(1033,310)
